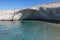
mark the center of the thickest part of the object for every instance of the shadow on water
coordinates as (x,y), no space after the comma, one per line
(44,20)
(53,22)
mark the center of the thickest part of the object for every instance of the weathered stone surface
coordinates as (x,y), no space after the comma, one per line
(49,11)
(9,15)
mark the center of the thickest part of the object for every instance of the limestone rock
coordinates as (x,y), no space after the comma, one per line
(9,15)
(50,11)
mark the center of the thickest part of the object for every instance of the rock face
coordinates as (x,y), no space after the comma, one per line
(9,15)
(49,11)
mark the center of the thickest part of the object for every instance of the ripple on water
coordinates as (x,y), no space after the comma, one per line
(28,30)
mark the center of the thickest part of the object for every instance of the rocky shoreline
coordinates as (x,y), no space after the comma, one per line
(46,12)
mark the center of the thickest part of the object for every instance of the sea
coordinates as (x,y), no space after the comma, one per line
(29,30)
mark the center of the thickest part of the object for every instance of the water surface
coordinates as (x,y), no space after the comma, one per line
(28,30)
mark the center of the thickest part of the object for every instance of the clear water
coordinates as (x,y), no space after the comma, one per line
(28,30)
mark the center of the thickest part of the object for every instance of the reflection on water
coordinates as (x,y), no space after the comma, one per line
(6,25)
(28,30)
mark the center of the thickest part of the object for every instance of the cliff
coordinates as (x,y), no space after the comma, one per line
(50,11)
(9,15)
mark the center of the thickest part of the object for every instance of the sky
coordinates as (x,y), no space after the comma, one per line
(19,4)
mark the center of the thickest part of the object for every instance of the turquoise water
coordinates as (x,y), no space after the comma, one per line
(28,30)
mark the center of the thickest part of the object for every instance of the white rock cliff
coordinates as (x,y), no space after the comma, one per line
(9,15)
(49,11)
